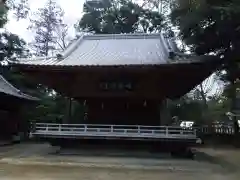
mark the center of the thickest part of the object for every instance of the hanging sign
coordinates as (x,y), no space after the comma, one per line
(116,86)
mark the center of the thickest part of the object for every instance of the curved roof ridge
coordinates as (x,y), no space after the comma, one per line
(122,36)
(72,47)
(9,89)
(9,84)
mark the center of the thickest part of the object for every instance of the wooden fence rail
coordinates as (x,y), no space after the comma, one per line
(228,130)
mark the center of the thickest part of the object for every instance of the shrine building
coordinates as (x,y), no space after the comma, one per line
(122,79)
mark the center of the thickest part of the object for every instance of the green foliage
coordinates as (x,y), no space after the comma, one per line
(218,106)
(55,109)
(119,16)
(212,27)
(186,109)
(19,7)
(205,27)
(11,46)
(50,108)
(3,15)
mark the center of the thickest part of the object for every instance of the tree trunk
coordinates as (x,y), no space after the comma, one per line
(203,95)
(70,110)
(205,105)
(234,108)
(233,95)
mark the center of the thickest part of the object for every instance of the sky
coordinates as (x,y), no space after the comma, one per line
(73,12)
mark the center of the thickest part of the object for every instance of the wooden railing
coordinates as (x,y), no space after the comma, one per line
(132,131)
(216,130)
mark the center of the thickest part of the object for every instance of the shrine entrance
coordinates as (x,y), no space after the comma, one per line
(119,111)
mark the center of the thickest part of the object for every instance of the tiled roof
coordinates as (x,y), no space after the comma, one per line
(112,49)
(7,88)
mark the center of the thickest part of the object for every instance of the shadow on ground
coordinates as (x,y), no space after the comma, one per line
(226,165)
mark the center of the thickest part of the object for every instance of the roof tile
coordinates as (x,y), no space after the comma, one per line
(111,49)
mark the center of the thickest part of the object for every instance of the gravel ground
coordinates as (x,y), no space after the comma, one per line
(12,172)
(38,161)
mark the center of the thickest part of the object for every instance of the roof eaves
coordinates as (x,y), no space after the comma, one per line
(182,58)
(16,92)
(27,60)
(28,97)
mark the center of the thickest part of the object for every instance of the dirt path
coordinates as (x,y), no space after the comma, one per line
(35,162)
(12,172)
(230,156)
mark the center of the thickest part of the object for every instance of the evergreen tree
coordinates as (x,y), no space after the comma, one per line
(11,46)
(212,27)
(20,8)
(46,23)
(119,16)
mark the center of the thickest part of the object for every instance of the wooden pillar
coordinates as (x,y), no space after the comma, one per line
(165,117)
(68,113)
(70,110)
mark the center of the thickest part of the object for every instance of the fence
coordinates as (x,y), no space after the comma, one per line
(216,129)
(124,131)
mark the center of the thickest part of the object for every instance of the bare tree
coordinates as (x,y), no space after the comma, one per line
(62,36)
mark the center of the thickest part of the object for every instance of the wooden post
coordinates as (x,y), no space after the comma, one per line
(68,113)
(70,110)
(165,118)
